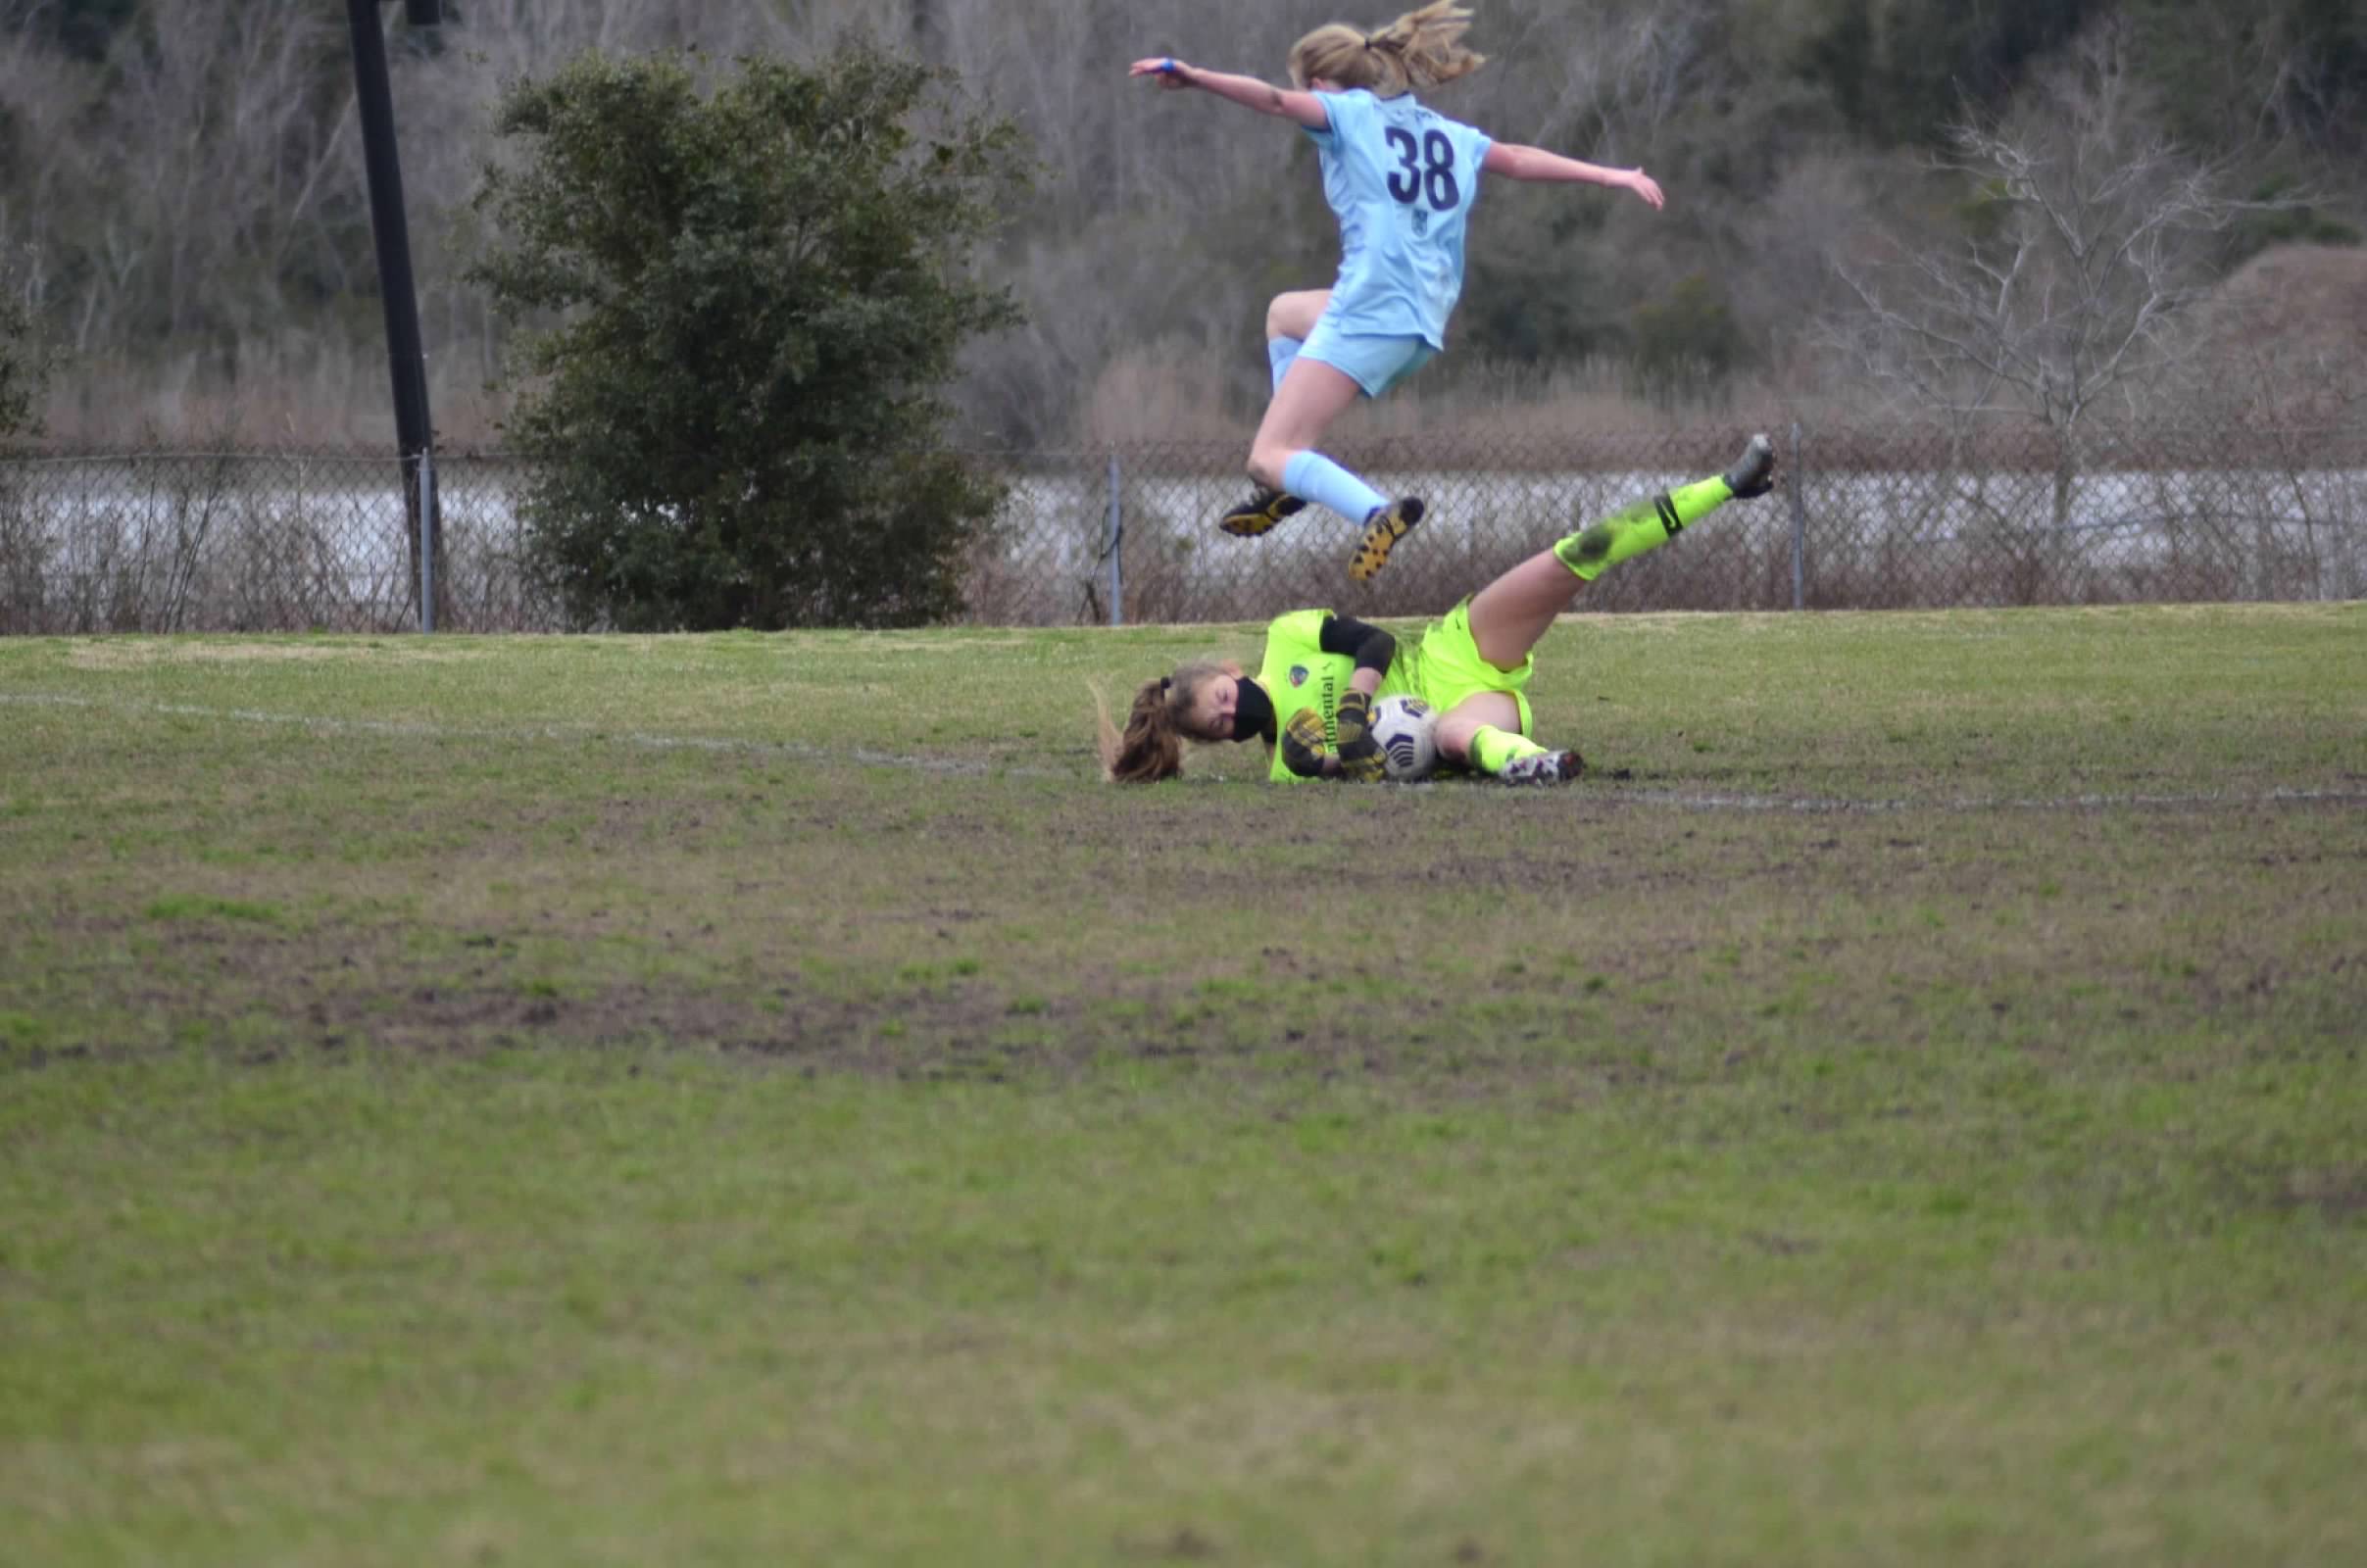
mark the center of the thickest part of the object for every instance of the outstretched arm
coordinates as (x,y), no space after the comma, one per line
(1247,92)
(1515,162)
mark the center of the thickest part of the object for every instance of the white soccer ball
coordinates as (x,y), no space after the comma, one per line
(1408,732)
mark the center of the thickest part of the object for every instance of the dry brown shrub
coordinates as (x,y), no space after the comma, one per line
(2283,339)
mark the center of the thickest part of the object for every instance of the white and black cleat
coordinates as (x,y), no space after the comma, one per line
(1543,767)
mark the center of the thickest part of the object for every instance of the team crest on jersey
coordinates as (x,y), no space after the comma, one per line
(1298,674)
(1421,222)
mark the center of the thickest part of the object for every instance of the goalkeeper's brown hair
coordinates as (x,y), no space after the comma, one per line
(1151,746)
(1420,49)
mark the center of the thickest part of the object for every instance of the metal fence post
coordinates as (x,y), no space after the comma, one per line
(427,540)
(1118,535)
(1799,525)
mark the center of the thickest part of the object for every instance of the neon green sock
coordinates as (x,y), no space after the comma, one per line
(1492,748)
(1646,526)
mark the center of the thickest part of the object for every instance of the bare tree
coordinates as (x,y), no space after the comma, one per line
(1606,77)
(2086,232)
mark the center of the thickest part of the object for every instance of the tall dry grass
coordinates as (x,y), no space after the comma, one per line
(301,391)
(1175,392)
(315,392)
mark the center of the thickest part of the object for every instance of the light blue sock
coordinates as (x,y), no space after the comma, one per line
(1279,352)
(1312,476)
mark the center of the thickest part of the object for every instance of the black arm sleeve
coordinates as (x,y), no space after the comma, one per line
(1371,647)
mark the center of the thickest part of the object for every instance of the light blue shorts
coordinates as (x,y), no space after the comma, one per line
(1375,364)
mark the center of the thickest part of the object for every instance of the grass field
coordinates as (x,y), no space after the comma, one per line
(763,1100)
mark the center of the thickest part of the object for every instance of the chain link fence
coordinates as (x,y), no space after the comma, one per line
(1867,517)
(258,541)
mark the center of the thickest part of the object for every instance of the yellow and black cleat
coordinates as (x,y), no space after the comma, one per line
(1386,526)
(1259,515)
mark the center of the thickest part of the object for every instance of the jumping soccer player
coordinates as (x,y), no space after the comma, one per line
(1311,698)
(1401,179)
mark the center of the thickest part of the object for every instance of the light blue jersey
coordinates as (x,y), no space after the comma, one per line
(1401,179)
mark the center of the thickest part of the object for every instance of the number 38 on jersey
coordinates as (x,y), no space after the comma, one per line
(1425,171)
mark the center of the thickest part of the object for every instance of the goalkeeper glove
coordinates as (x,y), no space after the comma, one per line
(1360,753)
(1304,745)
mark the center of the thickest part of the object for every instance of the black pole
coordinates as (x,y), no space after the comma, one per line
(374,95)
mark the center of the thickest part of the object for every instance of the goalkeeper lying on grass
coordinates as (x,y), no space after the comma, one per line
(1311,698)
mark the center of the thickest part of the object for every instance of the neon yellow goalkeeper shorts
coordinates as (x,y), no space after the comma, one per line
(1451,669)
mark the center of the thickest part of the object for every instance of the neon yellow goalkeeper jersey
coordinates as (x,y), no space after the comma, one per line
(1298,674)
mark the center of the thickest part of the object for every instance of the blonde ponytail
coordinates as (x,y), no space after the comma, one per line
(1420,49)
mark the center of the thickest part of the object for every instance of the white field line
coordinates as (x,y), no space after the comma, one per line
(800,751)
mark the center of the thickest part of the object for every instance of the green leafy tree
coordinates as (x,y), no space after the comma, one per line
(758,291)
